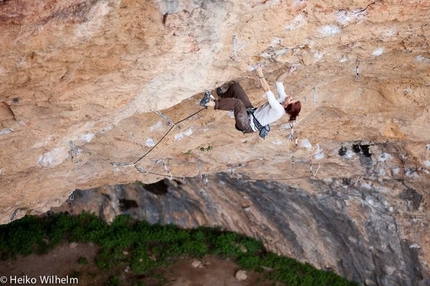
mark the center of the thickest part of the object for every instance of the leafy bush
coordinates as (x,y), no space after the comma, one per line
(22,237)
(114,281)
(151,246)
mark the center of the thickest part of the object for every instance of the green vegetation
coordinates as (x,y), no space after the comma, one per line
(82,261)
(140,184)
(206,148)
(145,247)
(114,281)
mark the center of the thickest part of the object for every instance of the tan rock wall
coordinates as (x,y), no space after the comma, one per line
(89,87)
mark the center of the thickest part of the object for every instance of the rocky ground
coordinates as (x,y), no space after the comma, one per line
(77,261)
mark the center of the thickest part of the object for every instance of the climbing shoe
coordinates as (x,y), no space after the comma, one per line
(206,99)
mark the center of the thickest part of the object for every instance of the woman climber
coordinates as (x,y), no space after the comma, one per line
(249,119)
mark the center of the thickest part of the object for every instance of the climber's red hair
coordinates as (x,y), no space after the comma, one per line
(293,109)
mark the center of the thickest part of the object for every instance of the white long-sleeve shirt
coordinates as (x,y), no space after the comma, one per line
(272,110)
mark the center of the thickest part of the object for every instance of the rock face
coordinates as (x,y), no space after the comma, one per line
(105,92)
(346,227)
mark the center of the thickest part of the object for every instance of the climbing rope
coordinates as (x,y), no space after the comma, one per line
(159,141)
(293,136)
(205,177)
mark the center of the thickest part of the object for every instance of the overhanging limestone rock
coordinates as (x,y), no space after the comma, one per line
(82,82)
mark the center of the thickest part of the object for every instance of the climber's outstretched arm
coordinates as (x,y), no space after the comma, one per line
(283,76)
(263,81)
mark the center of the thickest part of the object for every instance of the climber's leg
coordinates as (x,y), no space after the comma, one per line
(236,91)
(220,91)
(240,115)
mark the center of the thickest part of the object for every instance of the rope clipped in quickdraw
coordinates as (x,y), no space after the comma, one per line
(293,134)
(141,170)
(357,69)
(164,136)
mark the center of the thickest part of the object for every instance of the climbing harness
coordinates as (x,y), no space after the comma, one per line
(263,131)
(203,177)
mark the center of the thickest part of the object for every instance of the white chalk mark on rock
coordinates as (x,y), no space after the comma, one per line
(156,126)
(384,157)
(150,142)
(6,131)
(179,136)
(423,59)
(377,52)
(188,132)
(306,143)
(53,158)
(329,30)
(298,22)
(87,137)
(318,153)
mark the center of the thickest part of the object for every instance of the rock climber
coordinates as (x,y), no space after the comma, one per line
(249,119)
